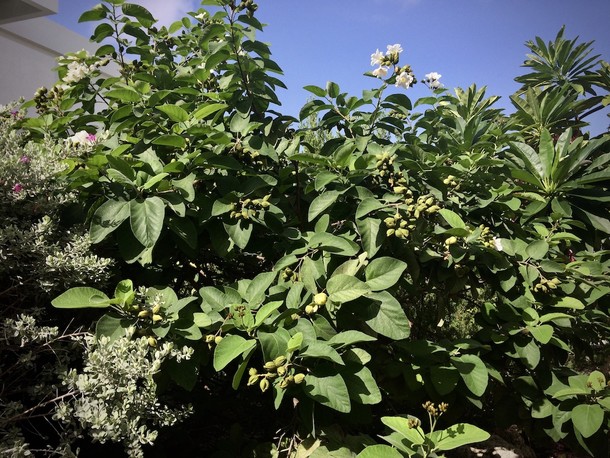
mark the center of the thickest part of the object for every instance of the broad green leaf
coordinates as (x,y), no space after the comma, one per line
(208,109)
(383,273)
(265,311)
(537,249)
(295,342)
(146,219)
(457,435)
(274,344)
(124,95)
(111,327)
(315,90)
(349,337)
(321,203)
(473,372)
(139,12)
(379,451)
(587,419)
(259,285)
(385,315)
(334,244)
(362,385)
(371,235)
(321,350)
(170,140)
(229,348)
(328,390)
(109,216)
(570,303)
(174,112)
(344,288)
(542,333)
(367,206)
(452,218)
(239,234)
(401,426)
(81,297)
(154,180)
(444,379)
(239,123)
(202,320)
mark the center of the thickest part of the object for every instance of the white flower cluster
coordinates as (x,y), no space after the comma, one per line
(432,80)
(77,71)
(383,61)
(84,138)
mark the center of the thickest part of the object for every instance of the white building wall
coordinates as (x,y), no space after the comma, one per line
(28,53)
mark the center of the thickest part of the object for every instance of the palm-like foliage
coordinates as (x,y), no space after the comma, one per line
(570,175)
(560,62)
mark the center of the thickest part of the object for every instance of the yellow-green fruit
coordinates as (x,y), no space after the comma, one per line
(399,189)
(156,308)
(252,380)
(389,221)
(320,299)
(157,318)
(209,338)
(284,384)
(270,366)
(309,309)
(451,240)
(264,385)
(217,339)
(143,314)
(152,341)
(298,378)
(252,371)
(281,371)
(279,361)
(390,232)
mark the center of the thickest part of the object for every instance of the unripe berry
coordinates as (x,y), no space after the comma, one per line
(320,299)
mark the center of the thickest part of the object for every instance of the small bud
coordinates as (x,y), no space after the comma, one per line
(279,361)
(152,341)
(309,309)
(281,371)
(217,339)
(157,318)
(451,240)
(252,380)
(298,378)
(143,314)
(252,371)
(270,366)
(264,385)
(156,308)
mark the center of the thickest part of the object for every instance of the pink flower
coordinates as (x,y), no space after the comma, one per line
(24,160)
(18,187)
(91,138)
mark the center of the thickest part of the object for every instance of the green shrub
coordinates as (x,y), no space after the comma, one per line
(337,276)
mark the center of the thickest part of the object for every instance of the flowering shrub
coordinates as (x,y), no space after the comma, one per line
(336,273)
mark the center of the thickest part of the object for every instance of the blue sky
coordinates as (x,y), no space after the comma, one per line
(467,41)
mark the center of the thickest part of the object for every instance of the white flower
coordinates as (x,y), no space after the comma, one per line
(432,79)
(380,72)
(200,16)
(76,72)
(498,244)
(404,80)
(376,58)
(84,138)
(394,49)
